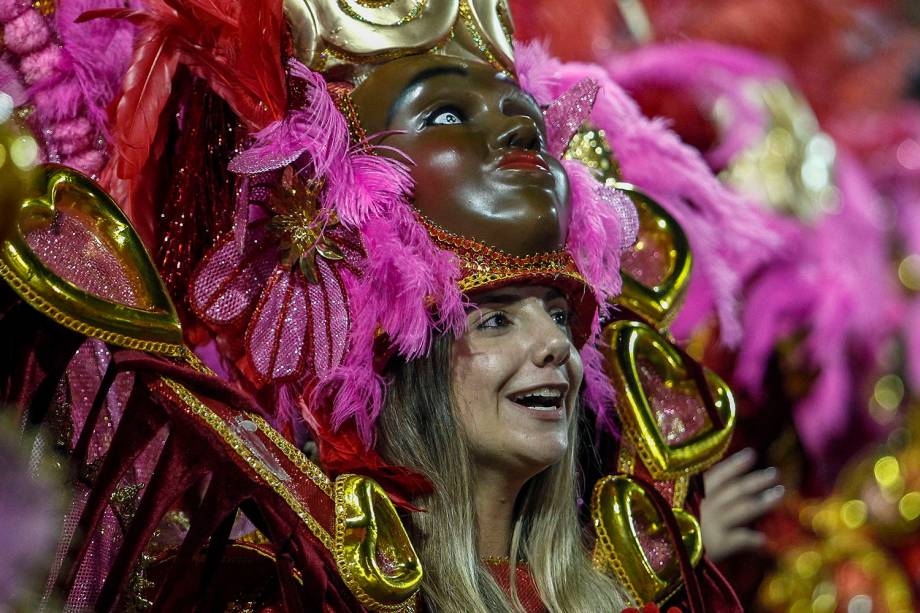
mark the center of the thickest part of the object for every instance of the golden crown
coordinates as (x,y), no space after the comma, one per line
(352,36)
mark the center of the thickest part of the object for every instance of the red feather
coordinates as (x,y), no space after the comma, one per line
(241,59)
(259,68)
(147,86)
(234,45)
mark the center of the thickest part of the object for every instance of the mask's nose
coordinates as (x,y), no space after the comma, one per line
(519,132)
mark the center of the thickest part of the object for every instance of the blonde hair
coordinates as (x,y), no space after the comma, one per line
(418,429)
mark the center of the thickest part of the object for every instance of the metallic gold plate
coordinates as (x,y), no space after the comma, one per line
(671,443)
(661,244)
(631,536)
(73,255)
(373,552)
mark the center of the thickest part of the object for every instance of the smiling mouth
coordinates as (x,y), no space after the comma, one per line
(523,160)
(544,399)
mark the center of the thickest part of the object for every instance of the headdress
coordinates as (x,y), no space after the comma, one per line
(329,270)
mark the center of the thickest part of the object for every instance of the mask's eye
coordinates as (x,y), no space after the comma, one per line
(445,116)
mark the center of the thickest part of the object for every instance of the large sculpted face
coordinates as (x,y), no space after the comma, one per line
(515,377)
(478,143)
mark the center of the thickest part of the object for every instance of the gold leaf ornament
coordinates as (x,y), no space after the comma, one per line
(633,541)
(372,550)
(689,428)
(73,255)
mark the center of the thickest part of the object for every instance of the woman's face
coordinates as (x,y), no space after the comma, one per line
(515,376)
(478,142)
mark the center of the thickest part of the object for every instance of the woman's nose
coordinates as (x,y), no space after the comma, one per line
(518,132)
(552,345)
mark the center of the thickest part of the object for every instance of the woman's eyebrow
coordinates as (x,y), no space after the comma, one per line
(428,73)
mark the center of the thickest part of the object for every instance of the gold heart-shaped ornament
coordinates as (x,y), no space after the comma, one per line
(678,415)
(633,540)
(372,550)
(656,269)
(73,255)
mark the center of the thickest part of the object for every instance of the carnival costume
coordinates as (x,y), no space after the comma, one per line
(299,268)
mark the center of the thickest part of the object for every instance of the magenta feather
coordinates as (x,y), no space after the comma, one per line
(599,395)
(99,52)
(729,236)
(318,131)
(407,289)
(602,223)
(709,72)
(819,289)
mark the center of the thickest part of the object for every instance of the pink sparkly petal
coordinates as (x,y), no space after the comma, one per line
(566,114)
(227,284)
(275,338)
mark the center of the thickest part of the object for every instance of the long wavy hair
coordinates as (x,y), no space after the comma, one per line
(418,429)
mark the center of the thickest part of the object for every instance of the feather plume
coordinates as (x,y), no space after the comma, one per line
(729,236)
(148,85)
(708,71)
(603,223)
(319,132)
(599,395)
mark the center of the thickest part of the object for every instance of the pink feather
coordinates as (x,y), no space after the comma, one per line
(729,236)
(318,131)
(602,223)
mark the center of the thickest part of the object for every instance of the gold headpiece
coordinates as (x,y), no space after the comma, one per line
(357,34)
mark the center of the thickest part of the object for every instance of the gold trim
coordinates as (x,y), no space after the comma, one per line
(640,425)
(218,425)
(626,459)
(46,308)
(153,327)
(681,487)
(618,547)
(659,303)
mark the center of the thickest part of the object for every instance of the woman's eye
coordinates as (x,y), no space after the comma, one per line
(562,317)
(494,321)
(445,117)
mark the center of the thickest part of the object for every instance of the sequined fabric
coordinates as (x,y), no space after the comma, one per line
(483,267)
(526,588)
(657,546)
(74,252)
(199,205)
(72,403)
(681,415)
(567,114)
(648,262)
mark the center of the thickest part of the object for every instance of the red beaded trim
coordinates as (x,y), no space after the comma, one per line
(483,265)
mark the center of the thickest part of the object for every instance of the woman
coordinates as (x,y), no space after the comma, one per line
(499,445)
(499,440)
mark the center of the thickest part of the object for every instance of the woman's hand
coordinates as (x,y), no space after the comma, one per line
(734,498)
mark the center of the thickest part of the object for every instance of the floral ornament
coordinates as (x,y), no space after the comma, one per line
(301,226)
(325,257)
